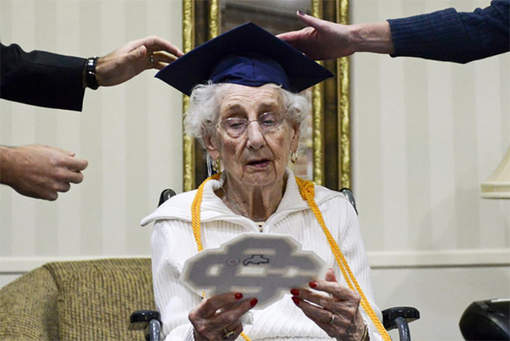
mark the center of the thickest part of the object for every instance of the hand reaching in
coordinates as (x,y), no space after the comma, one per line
(40,171)
(322,39)
(133,58)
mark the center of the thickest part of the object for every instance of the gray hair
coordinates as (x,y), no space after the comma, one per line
(204,108)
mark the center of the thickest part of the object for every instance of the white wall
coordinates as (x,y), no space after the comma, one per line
(425,134)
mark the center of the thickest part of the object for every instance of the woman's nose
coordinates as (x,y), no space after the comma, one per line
(255,135)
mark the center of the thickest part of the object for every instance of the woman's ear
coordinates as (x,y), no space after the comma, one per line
(211,146)
(294,142)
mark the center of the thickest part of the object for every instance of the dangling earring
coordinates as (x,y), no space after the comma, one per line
(209,162)
(217,166)
(213,166)
(293,157)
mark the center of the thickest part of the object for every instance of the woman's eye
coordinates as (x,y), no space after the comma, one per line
(235,124)
(268,119)
(269,122)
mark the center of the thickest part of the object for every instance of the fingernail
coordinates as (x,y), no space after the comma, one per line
(313,284)
(238,295)
(253,302)
(300,12)
(295,299)
(294,292)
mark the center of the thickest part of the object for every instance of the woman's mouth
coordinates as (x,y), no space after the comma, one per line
(259,163)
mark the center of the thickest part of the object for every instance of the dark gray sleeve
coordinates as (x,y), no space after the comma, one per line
(454,36)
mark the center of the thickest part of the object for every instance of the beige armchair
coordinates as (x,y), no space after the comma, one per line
(79,300)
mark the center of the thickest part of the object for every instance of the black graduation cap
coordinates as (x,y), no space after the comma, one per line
(246,55)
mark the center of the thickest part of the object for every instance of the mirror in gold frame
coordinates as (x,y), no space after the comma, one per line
(325,148)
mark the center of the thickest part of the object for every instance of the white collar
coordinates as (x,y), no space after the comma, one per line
(213,208)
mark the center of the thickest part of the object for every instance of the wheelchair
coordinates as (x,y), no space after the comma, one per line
(393,318)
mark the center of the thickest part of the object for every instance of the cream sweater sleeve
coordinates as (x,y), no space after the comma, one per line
(173,299)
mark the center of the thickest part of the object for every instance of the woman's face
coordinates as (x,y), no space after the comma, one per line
(258,156)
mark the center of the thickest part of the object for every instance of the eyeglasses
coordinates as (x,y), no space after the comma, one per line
(236,126)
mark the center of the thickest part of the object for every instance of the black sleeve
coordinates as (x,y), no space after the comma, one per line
(41,78)
(454,36)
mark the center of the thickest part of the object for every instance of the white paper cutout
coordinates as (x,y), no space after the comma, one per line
(265,266)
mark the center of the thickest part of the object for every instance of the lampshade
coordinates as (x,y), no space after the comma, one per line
(497,186)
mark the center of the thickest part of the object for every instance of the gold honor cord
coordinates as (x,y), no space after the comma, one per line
(307,191)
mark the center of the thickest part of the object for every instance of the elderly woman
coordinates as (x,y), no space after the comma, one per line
(247,119)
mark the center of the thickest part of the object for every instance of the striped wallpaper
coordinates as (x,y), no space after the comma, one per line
(130,134)
(424,135)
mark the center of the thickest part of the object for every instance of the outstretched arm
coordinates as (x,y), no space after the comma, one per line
(445,35)
(56,81)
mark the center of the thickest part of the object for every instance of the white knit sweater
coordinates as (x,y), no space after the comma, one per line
(173,243)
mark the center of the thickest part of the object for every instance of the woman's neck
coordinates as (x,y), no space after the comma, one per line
(254,202)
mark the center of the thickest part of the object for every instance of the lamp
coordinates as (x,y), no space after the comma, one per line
(497,186)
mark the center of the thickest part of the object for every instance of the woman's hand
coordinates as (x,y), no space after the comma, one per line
(337,313)
(217,318)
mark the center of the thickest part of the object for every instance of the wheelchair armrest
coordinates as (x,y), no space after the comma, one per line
(390,315)
(140,319)
(147,320)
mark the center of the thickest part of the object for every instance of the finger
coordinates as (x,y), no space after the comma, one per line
(336,290)
(72,177)
(345,309)
(160,65)
(74,164)
(162,56)
(236,330)
(129,63)
(327,302)
(160,59)
(63,151)
(156,44)
(333,324)
(315,313)
(303,40)
(132,45)
(51,195)
(138,54)
(330,275)
(62,187)
(309,20)
(291,36)
(234,313)
(212,304)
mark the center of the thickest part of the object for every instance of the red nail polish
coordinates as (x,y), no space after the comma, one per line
(296,300)
(253,302)
(313,284)
(238,295)
(294,292)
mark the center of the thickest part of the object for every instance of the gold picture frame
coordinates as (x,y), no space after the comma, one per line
(331,132)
